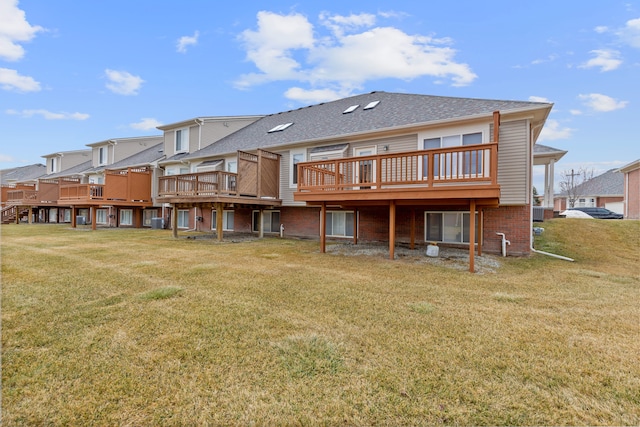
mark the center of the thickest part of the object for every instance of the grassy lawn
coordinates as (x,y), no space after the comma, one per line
(132,327)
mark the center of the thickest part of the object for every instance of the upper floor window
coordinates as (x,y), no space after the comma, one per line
(102,155)
(182,140)
(52,165)
(296,157)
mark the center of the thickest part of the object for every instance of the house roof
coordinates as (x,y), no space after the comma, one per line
(543,154)
(22,173)
(330,121)
(141,158)
(73,170)
(610,183)
(630,167)
(200,120)
(141,139)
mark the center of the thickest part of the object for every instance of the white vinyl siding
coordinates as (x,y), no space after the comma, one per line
(513,163)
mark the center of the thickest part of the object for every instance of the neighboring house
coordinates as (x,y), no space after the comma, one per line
(547,156)
(374,167)
(188,136)
(602,191)
(113,186)
(631,174)
(16,179)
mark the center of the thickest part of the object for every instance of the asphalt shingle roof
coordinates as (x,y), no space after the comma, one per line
(326,120)
(22,173)
(74,170)
(142,158)
(610,183)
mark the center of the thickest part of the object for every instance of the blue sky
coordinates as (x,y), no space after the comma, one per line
(78,72)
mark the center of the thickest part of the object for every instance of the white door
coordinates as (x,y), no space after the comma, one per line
(365,172)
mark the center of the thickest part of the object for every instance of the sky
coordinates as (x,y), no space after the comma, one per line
(78,72)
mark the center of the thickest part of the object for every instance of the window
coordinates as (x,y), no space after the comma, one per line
(182,140)
(227,220)
(102,155)
(126,216)
(296,157)
(101,216)
(350,109)
(449,227)
(371,105)
(279,128)
(147,215)
(448,164)
(270,221)
(52,165)
(183,218)
(340,223)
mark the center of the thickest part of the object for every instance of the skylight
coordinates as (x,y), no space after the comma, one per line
(371,105)
(350,109)
(280,127)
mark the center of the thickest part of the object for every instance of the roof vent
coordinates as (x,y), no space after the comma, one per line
(280,127)
(350,109)
(371,105)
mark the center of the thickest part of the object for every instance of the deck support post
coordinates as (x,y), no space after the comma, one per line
(94,217)
(73,217)
(480,231)
(219,214)
(261,223)
(472,235)
(392,228)
(413,229)
(30,218)
(17,211)
(355,226)
(174,220)
(323,227)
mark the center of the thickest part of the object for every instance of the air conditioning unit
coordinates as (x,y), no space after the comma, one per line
(157,223)
(81,220)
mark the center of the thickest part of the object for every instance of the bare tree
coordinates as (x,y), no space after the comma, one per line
(571,184)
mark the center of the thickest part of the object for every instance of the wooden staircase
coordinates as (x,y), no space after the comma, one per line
(9,214)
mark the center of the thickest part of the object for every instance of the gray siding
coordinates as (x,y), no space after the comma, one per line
(513,163)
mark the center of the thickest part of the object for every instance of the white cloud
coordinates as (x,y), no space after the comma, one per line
(6,158)
(630,33)
(14,29)
(601,29)
(313,96)
(607,60)
(146,123)
(601,103)
(539,99)
(48,115)
(553,131)
(185,41)
(11,80)
(123,83)
(575,112)
(284,48)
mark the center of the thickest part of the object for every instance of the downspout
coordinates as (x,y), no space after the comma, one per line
(200,123)
(531,213)
(113,153)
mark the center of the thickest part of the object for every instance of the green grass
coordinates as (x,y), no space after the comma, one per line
(132,327)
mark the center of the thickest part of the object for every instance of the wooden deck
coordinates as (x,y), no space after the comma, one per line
(256,182)
(130,187)
(464,172)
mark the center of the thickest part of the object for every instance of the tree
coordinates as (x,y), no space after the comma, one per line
(571,184)
(536,197)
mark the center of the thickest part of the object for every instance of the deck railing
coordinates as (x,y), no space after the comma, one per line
(425,168)
(199,184)
(82,192)
(22,197)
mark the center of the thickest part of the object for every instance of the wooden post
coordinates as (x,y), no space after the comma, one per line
(323,227)
(472,235)
(30,218)
(480,231)
(94,217)
(17,211)
(355,226)
(219,214)
(73,217)
(261,223)
(392,228)
(413,229)
(174,220)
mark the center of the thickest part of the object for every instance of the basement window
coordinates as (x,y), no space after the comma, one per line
(280,128)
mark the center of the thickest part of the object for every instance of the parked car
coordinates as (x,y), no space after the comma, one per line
(600,213)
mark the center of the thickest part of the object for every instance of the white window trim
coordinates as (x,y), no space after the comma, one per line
(184,215)
(292,153)
(125,211)
(345,236)
(461,227)
(185,140)
(101,216)
(225,220)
